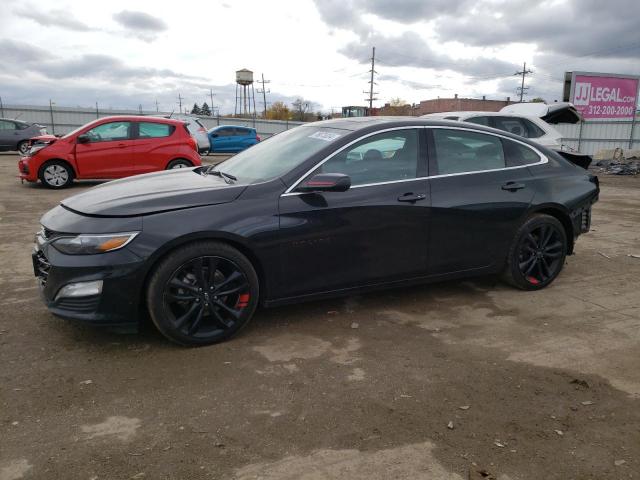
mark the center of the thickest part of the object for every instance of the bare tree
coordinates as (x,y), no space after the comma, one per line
(301,106)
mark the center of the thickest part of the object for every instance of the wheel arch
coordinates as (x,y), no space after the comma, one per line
(179,158)
(232,240)
(561,214)
(56,159)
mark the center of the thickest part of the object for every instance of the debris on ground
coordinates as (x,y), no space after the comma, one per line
(618,167)
(559,432)
(579,382)
(464,407)
(481,474)
(355,325)
(604,255)
(450,425)
(498,443)
(618,463)
(633,255)
(587,402)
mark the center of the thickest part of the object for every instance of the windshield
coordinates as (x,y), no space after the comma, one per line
(280,153)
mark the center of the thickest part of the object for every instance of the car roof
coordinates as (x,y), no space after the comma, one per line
(139,118)
(470,113)
(370,123)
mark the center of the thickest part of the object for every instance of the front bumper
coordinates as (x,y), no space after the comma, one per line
(24,170)
(121,272)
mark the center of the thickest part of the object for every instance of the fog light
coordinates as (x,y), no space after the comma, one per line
(80,289)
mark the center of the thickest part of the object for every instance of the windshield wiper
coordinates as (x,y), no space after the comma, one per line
(227,177)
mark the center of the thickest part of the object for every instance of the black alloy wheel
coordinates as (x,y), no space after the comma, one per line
(538,253)
(203,293)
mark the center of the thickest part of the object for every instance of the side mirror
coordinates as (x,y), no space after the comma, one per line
(84,138)
(326,182)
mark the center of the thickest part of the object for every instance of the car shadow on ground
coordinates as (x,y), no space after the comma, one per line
(299,314)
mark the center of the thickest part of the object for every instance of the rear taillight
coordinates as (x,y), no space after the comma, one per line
(258,138)
(202,130)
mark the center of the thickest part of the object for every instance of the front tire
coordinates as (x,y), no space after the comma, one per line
(202,293)
(23,147)
(537,253)
(56,174)
(179,163)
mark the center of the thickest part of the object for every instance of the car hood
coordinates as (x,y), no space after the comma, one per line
(153,193)
(43,138)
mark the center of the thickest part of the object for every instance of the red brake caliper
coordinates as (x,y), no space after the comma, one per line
(243,300)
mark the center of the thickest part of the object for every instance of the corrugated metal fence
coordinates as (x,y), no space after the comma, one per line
(595,135)
(588,137)
(61,120)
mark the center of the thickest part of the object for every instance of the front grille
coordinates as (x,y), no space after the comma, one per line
(41,267)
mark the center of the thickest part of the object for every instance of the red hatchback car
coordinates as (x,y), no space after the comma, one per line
(110,147)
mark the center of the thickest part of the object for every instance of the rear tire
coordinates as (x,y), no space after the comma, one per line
(537,253)
(56,174)
(179,163)
(202,293)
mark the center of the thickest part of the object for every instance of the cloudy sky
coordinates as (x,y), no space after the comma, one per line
(122,53)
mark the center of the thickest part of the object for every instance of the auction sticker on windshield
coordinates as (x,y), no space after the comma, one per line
(326,136)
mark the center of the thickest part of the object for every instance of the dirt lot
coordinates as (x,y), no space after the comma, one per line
(536,385)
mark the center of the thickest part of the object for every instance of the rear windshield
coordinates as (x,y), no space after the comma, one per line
(280,154)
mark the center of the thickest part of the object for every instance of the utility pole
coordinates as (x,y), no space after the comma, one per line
(180,102)
(53,126)
(522,89)
(157,106)
(264,92)
(1,108)
(211,94)
(371,82)
(97,111)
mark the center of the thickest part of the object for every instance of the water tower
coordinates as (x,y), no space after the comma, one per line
(245,94)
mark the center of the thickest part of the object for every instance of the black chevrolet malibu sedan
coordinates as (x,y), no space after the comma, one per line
(328,208)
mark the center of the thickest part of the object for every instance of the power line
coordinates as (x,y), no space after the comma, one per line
(522,89)
(264,92)
(371,82)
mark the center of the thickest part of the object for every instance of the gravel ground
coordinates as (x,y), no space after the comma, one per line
(434,382)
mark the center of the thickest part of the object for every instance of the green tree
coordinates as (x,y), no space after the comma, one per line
(538,100)
(205,110)
(195,110)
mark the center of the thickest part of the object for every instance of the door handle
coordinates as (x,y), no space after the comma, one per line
(513,186)
(411,197)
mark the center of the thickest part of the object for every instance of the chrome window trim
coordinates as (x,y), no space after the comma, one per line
(542,156)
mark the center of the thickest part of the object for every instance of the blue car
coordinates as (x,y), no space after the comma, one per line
(229,138)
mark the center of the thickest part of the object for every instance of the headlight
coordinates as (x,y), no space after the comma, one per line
(91,244)
(36,148)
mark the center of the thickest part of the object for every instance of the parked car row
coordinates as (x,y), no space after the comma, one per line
(15,135)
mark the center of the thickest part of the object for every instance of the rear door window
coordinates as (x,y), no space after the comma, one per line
(225,132)
(512,125)
(7,125)
(461,151)
(154,130)
(518,154)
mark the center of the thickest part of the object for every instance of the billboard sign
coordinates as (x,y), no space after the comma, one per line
(604,95)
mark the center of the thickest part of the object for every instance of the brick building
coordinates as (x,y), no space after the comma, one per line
(456,104)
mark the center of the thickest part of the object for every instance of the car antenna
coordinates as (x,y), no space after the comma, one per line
(18,116)
(171,114)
